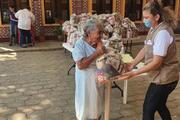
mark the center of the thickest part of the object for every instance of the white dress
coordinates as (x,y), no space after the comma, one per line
(89,99)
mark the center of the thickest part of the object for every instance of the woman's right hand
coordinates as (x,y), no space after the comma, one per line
(100,49)
(128,66)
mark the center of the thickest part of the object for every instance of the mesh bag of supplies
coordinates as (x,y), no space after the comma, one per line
(109,65)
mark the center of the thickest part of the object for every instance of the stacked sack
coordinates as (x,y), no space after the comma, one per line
(115,28)
(109,65)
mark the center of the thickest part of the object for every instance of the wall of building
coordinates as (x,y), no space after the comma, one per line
(76,6)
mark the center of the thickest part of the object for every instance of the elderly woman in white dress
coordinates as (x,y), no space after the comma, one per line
(88,94)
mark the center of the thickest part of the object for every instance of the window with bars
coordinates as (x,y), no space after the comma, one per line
(56,11)
(4,11)
(102,6)
(18,4)
(169,3)
(133,9)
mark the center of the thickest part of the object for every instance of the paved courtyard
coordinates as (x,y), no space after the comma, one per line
(34,85)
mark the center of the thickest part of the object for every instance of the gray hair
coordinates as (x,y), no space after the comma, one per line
(92,25)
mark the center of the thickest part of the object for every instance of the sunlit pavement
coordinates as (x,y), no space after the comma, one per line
(35,86)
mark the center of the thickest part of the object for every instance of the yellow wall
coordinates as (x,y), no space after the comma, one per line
(123,3)
(90,6)
(177,9)
(70,7)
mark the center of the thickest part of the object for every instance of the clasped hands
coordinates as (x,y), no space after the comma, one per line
(128,67)
(127,74)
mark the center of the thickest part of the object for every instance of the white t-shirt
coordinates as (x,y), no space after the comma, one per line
(161,43)
(25,19)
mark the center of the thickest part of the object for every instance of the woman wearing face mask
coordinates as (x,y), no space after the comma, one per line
(161,63)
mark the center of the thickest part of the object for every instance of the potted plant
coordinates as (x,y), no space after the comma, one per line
(58,32)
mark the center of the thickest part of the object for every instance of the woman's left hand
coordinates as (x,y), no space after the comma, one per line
(103,81)
(129,74)
(100,48)
(124,76)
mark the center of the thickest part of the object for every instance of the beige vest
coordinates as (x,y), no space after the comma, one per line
(169,70)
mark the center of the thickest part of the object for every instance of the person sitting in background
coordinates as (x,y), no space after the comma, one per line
(25,20)
(13,26)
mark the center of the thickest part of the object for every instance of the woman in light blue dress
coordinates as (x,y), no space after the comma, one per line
(88,94)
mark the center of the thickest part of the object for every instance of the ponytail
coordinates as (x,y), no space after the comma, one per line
(168,17)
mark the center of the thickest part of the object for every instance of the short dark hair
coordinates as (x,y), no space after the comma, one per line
(26,7)
(11,6)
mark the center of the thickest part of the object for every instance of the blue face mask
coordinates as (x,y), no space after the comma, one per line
(147,23)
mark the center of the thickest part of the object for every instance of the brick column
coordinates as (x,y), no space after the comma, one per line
(37,11)
(79,6)
(118,6)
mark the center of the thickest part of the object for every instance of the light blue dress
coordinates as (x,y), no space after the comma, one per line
(89,99)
